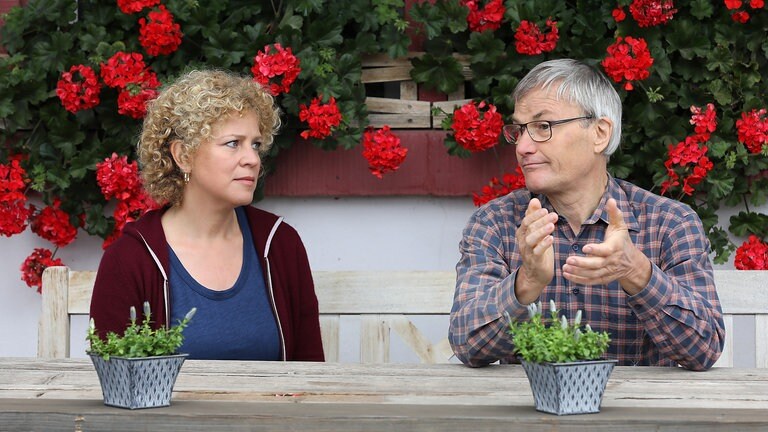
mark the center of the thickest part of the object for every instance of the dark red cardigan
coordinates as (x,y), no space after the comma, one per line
(128,276)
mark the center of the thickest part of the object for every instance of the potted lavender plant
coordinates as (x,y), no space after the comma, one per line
(562,361)
(139,368)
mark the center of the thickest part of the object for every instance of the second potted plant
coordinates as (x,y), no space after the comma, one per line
(562,361)
(139,368)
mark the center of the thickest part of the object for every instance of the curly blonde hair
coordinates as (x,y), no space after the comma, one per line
(186,110)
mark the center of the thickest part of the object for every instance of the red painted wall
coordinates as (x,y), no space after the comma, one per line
(305,170)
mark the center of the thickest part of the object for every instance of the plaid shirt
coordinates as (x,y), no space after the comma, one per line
(675,319)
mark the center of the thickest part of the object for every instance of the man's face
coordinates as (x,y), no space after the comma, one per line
(563,163)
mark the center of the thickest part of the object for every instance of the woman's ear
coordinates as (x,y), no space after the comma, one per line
(602,130)
(179,156)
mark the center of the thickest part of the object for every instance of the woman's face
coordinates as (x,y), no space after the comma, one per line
(225,168)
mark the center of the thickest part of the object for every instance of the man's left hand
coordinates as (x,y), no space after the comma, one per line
(616,258)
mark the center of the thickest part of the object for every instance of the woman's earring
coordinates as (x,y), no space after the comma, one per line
(186,177)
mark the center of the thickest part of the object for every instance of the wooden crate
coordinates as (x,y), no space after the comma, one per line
(406,111)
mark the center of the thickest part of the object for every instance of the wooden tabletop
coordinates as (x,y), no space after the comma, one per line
(49,395)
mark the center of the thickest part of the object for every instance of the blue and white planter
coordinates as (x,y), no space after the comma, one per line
(145,382)
(569,388)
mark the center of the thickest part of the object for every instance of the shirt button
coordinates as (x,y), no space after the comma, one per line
(575,291)
(575,247)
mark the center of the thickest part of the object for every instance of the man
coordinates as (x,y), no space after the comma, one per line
(637,264)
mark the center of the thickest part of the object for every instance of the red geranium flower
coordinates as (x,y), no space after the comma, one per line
(618,14)
(383,151)
(13,210)
(14,215)
(159,35)
(124,68)
(756,4)
(78,93)
(117,178)
(740,17)
(320,117)
(13,180)
(496,188)
(33,266)
(752,255)
(649,13)
(487,18)
(476,130)
(628,60)
(688,159)
(268,67)
(752,129)
(732,4)
(53,224)
(132,101)
(129,210)
(531,41)
(704,122)
(133,6)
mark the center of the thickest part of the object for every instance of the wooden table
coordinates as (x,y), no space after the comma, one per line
(51,395)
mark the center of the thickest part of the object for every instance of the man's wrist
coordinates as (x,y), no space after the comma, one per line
(637,279)
(526,290)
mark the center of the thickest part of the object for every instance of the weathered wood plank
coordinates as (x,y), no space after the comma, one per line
(374,339)
(407,292)
(400,121)
(329,332)
(726,358)
(242,416)
(386,74)
(742,292)
(54,324)
(417,384)
(761,341)
(409,90)
(397,106)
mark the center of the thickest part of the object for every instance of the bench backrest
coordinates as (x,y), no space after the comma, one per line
(383,301)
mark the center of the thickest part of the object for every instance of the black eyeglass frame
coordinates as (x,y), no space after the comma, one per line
(524,127)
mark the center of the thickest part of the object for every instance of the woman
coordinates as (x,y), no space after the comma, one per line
(244,269)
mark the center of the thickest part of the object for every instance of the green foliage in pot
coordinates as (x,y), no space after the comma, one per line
(555,340)
(139,339)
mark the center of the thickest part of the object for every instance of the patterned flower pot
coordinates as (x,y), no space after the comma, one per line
(569,388)
(133,383)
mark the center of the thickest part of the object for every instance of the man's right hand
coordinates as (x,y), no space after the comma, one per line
(534,241)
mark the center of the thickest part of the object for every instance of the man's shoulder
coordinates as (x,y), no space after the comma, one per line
(506,206)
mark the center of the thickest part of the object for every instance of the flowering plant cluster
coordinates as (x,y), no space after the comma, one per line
(383,151)
(675,64)
(555,339)
(139,339)
(72,100)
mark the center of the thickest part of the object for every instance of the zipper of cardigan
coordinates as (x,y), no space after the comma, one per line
(271,291)
(274,309)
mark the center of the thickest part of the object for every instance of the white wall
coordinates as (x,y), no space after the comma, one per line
(410,233)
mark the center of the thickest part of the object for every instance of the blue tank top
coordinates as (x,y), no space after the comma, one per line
(234,324)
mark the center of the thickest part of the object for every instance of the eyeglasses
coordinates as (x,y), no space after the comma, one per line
(539,130)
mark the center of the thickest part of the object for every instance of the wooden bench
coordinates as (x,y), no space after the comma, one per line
(383,302)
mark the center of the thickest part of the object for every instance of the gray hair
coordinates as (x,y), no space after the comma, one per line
(579,84)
